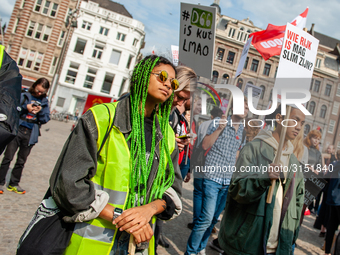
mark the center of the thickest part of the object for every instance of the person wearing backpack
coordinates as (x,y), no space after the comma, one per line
(34,113)
(10,90)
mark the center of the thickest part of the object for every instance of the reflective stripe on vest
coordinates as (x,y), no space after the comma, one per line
(2,50)
(97,236)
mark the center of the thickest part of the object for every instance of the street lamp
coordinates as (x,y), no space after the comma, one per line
(71,22)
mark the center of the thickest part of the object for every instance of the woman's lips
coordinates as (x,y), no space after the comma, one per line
(164,92)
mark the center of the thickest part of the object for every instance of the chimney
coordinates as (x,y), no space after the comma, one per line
(312,29)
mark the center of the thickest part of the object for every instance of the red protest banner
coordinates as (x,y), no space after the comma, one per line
(94,100)
(269,42)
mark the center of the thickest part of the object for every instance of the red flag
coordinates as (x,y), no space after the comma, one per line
(269,42)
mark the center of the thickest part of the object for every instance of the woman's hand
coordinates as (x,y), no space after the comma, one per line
(136,218)
(144,234)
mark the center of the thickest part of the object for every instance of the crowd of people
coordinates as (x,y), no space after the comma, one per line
(120,173)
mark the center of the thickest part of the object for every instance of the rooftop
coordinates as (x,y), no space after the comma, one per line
(112,6)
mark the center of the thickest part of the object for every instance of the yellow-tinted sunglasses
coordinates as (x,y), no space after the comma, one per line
(163,77)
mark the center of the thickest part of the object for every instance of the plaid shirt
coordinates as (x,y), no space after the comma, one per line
(223,153)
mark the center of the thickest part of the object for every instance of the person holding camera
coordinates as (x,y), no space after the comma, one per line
(34,112)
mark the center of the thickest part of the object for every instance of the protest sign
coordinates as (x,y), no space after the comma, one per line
(297,60)
(243,58)
(256,93)
(174,52)
(197,38)
(313,186)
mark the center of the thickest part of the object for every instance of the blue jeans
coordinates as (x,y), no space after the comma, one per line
(184,167)
(198,199)
(214,197)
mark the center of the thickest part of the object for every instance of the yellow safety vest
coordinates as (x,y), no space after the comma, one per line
(97,236)
(2,50)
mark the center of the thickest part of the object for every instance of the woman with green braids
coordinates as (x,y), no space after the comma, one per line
(117,172)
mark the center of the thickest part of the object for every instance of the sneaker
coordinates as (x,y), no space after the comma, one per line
(1,189)
(202,252)
(215,245)
(16,189)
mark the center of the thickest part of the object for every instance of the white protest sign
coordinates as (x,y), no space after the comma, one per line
(297,60)
(174,52)
(243,58)
(197,38)
(256,91)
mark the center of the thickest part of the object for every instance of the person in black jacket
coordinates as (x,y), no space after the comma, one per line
(34,113)
(333,200)
(10,89)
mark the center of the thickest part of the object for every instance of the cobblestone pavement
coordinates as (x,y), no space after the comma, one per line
(17,210)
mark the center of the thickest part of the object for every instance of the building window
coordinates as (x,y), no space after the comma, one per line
(89,79)
(266,69)
(30,28)
(23,4)
(54,10)
(331,126)
(239,83)
(338,91)
(262,91)
(16,25)
(72,73)
(103,31)
(311,107)
(335,108)
(225,79)
(231,57)
(275,72)
(46,7)
(86,25)
(328,90)
(30,59)
(98,51)
(115,56)
(215,77)
(323,111)
(47,33)
(306,130)
(220,54)
(246,63)
(240,34)
(318,63)
(61,38)
(317,85)
(22,56)
(106,88)
(271,95)
(38,5)
(135,41)
(231,32)
(60,101)
(311,85)
(122,85)
(53,65)
(80,46)
(129,62)
(121,37)
(254,65)
(38,61)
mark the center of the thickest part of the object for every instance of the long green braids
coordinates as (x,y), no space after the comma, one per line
(139,165)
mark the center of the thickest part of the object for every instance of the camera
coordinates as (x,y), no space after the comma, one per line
(36,103)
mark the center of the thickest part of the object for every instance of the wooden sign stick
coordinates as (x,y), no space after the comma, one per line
(132,245)
(278,154)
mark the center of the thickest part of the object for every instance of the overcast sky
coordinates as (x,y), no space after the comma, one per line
(161,17)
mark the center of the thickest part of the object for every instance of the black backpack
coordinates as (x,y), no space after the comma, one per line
(10,90)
